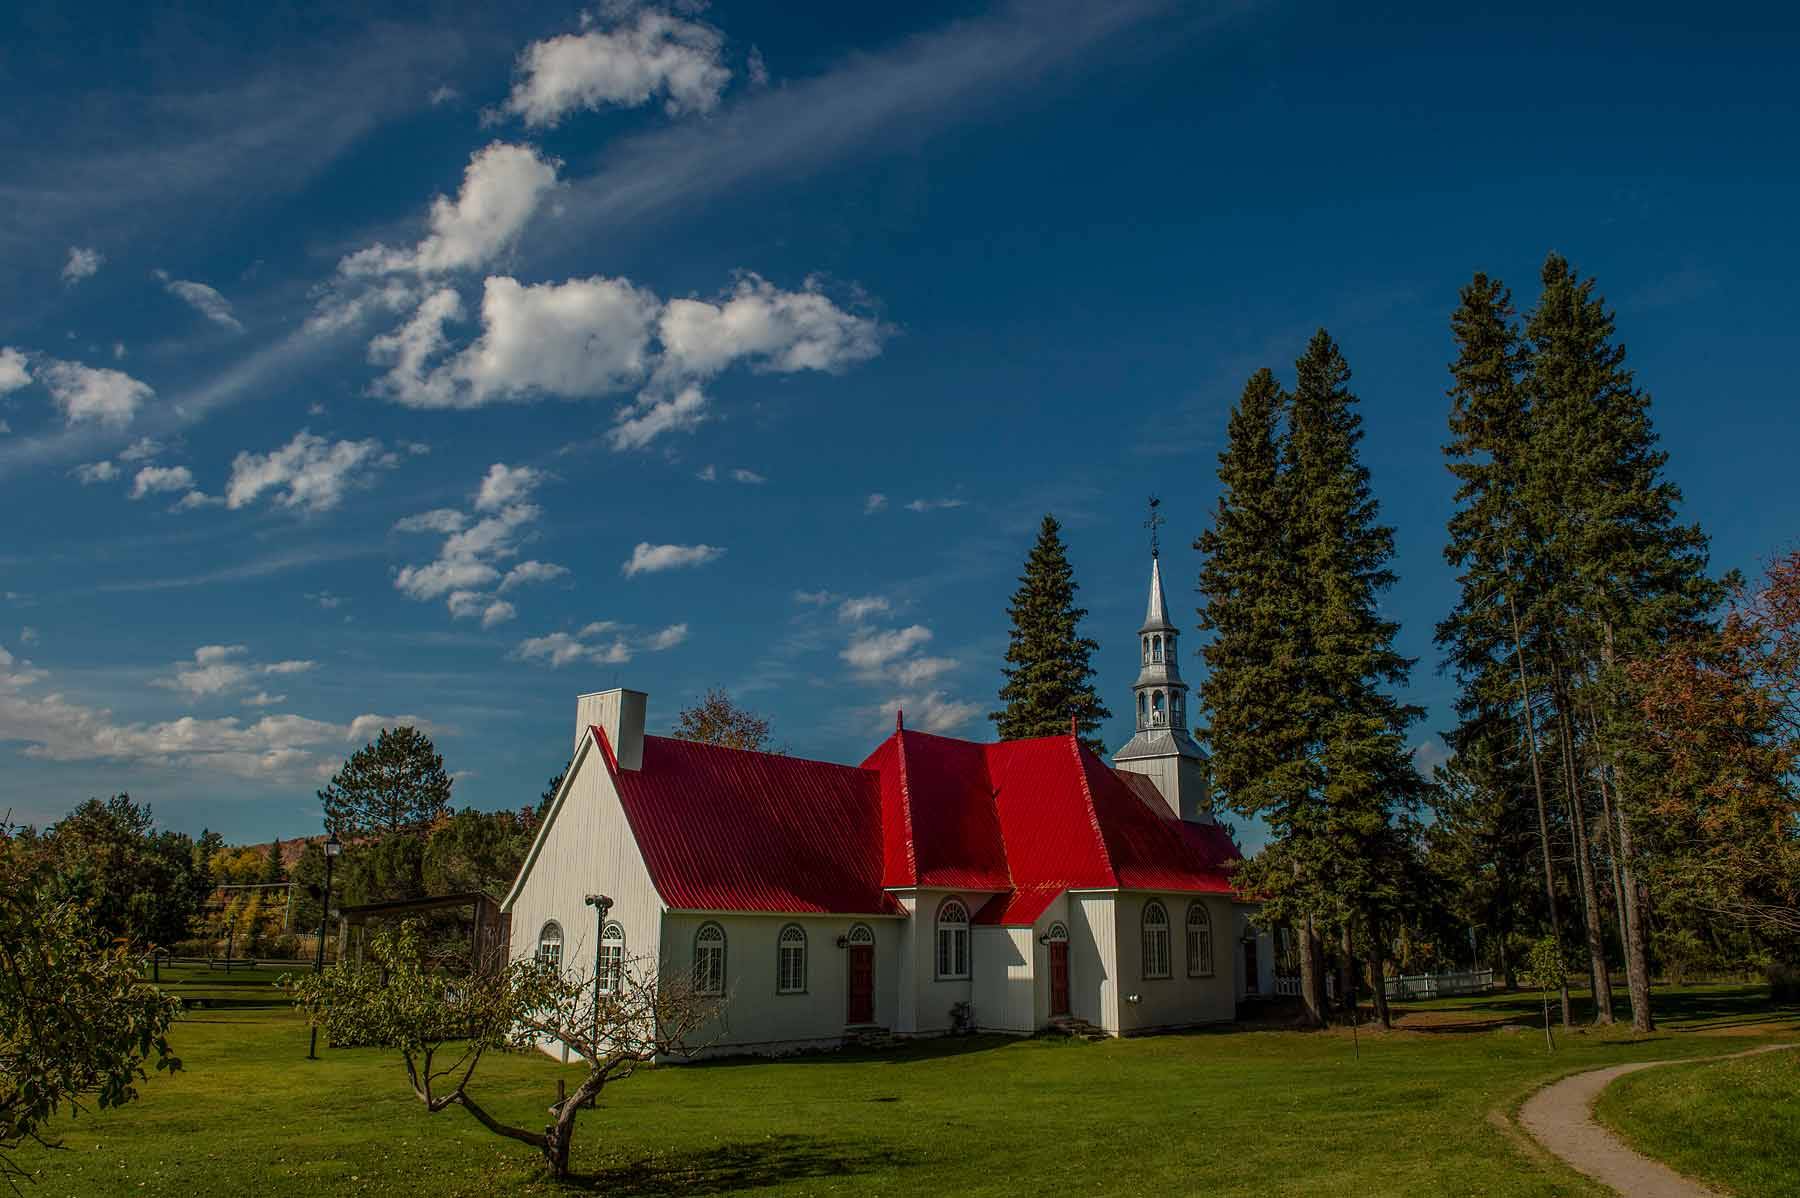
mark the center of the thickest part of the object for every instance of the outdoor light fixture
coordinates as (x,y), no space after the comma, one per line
(843,942)
(1044,939)
(333,846)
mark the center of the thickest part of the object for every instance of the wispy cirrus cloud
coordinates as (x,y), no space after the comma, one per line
(203,299)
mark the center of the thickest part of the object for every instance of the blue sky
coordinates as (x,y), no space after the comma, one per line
(450,362)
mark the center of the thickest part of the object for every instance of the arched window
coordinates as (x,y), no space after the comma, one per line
(549,949)
(1146,650)
(860,934)
(1157,714)
(1175,706)
(953,940)
(1143,708)
(1057,933)
(1199,941)
(709,959)
(790,962)
(1156,648)
(1156,940)
(612,959)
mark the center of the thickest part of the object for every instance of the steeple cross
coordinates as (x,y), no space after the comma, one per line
(1154,522)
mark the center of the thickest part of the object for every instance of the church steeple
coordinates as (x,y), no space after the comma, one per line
(1163,748)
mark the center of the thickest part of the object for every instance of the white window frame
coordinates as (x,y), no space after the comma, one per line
(1199,941)
(550,937)
(952,946)
(790,960)
(1155,941)
(708,978)
(612,959)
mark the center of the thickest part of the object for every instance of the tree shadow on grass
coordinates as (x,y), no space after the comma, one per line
(745,1166)
(905,1052)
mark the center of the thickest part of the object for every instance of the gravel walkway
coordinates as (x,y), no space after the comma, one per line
(1561,1118)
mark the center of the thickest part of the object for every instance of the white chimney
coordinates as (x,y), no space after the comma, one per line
(620,714)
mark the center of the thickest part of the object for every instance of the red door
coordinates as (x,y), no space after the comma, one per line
(862,983)
(1059,977)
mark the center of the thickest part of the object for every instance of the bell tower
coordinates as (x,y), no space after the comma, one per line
(1163,750)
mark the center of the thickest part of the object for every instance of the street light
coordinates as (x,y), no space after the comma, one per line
(333,846)
(601,905)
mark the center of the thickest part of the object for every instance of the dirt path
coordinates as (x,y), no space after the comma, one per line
(1561,1118)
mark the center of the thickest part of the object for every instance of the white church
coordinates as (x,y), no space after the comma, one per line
(942,884)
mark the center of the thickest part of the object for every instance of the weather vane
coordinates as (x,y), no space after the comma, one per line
(1154,521)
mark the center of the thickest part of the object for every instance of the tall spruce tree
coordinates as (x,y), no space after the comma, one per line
(1303,730)
(1626,577)
(1357,760)
(1252,726)
(1049,679)
(1494,546)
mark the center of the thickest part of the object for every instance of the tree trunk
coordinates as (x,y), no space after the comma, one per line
(1537,787)
(1346,971)
(1378,965)
(1584,861)
(1637,942)
(1312,981)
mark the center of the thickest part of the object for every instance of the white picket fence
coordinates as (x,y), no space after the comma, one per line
(1418,985)
(1440,985)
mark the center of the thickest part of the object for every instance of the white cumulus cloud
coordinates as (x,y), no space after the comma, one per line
(875,503)
(649,559)
(152,479)
(603,642)
(218,669)
(504,484)
(309,472)
(871,650)
(627,65)
(13,373)
(89,473)
(502,189)
(526,573)
(81,264)
(94,394)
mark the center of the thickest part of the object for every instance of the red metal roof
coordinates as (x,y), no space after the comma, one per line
(730,830)
(937,789)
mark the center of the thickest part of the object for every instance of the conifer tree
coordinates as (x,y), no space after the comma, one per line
(1048,675)
(396,784)
(1252,729)
(1246,577)
(1356,761)
(1625,577)
(1493,544)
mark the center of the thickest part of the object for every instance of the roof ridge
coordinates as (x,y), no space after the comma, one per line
(1087,794)
(906,803)
(710,745)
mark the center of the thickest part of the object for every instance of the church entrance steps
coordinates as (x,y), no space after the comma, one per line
(1078,1029)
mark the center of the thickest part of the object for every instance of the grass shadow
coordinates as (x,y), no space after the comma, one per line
(733,1168)
(905,1052)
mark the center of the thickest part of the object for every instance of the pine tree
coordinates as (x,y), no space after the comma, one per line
(1048,676)
(272,871)
(1626,577)
(396,784)
(1245,585)
(1493,544)
(1357,763)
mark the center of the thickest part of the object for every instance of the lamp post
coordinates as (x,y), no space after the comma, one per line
(333,846)
(601,905)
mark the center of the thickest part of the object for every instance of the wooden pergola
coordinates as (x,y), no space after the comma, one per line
(488,944)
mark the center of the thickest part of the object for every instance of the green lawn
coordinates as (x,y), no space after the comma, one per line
(1231,1112)
(1736,1123)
